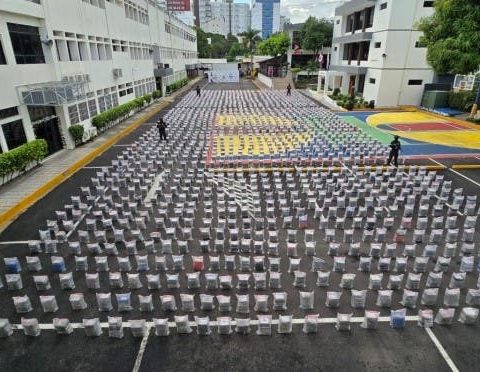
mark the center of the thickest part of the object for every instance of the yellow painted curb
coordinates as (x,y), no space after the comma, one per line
(466,166)
(11,214)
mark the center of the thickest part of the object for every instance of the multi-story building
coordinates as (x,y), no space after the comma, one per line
(377,51)
(225,17)
(266,16)
(283,21)
(64,61)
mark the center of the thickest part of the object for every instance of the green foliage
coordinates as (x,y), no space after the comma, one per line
(20,158)
(462,100)
(275,45)
(76,132)
(218,47)
(250,38)
(176,85)
(316,33)
(156,94)
(452,36)
(236,49)
(312,66)
(336,92)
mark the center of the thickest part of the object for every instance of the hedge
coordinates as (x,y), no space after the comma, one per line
(77,131)
(177,85)
(462,100)
(108,118)
(20,158)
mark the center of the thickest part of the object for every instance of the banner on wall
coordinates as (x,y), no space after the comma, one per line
(178,5)
(223,76)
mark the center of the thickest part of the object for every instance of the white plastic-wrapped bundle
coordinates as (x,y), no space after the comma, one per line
(410,250)
(473,297)
(104,301)
(92,327)
(279,301)
(168,303)
(384,264)
(182,324)
(300,279)
(275,280)
(42,282)
(467,264)
(115,280)
(442,264)
(261,303)
(259,263)
(206,302)
(177,262)
(14,282)
(365,264)
(211,280)
(384,298)
(333,249)
(92,281)
(434,280)
(343,322)
(203,326)
(264,327)
(310,324)
(224,325)
(243,304)
(5,328)
(101,263)
(242,326)
(306,300)
(188,304)
(153,281)
(318,264)
(425,318)
(33,263)
(292,249)
(22,304)
(333,299)
(31,327)
(134,282)
(358,299)
(124,264)
(115,327)
(310,248)
(34,247)
(323,278)
(347,281)
(413,281)
(452,297)
(409,299)
(66,281)
(124,301)
(445,316)
(375,249)
(245,263)
(273,248)
(243,280)
(395,282)
(429,296)
(49,304)
(339,264)
(62,326)
(354,249)
(457,280)
(142,263)
(285,324)
(468,315)
(224,303)
(193,280)
(138,327)
(450,250)
(370,320)
(162,327)
(420,264)
(229,263)
(225,282)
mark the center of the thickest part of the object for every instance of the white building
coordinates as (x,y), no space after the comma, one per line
(266,17)
(64,61)
(377,50)
(224,17)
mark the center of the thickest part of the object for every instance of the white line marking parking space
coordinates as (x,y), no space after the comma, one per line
(141,350)
(442,350)
(457,173)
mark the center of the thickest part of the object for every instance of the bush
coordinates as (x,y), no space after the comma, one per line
(349,105)
(18,159)
(462,100)
(336,92)
(76,132)
(156,94)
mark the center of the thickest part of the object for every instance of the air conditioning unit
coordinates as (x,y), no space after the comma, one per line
(117,73)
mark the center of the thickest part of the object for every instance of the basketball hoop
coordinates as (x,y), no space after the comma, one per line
(464,82)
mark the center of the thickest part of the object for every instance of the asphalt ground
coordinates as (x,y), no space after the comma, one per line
(409,349)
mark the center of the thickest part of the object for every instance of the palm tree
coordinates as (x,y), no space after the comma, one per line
(250,37)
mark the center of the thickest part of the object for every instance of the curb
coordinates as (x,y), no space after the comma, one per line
(11,214)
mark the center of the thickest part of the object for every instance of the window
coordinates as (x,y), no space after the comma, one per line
(6,113)
(383,6)
(349,23)
(26,44)
(3,60)
(420,44)
(338,22)
(14,134)
(335,49)
(73,114)
(428,4)
(415,82)
(378,44)
(369,13)
(92,107)
(371,81)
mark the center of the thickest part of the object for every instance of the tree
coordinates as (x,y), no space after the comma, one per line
(250,37)
(315,34)
(202,43)
(276,44)
(452,37)
(312,66)
(236,49)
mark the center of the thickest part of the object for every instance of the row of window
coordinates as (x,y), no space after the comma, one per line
(179,32)
(169,53)
(410,82)
(426,4)
(136,13)
(97,3)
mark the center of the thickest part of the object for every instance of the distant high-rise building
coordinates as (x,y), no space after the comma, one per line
(223,16)
(266,16)
(283,21)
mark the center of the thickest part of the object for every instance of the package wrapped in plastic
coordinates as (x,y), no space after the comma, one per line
(273,249)
(346,281)
(243,280)
(115,327)
(177,262)
(188,304)
(211,280)
(358,299)
(375,250)
(193,280)
(31,327)
(343,322)
(384,298)
(260,281)
(397,318)
(42,282)
(261,303)
(275,280)
(182,324)
(310,249)
(245,263)
(410,250)
(6,329)
(22,304)
(264,327)
(457,280)
(207,302)
(339,264)
(142,263)
(58,264)
(66,281)
(354,249)
(323,278)
(370,320)
(134,282)
(333,249)
(49,304)
(450,250)
(468,315)
(224,325)
(429,297)
(166,246)
(138,327)
(62,326)
(300,278)
(168,303)
(333,299)
(229,263)
(50,246)
(279,301)
(153,281)
(77,301)
(124,264)
(452,297)
(420,264)
(467,263)
(92,280)
(242,326)
(285,324)
(173,281)
(445,316)
(318,264)
(225,282)
(34,247)
(306,300)
(409,299)
(292,249)
(442,264)
(162,327)
(92,327)
(259,263)
(310,324)
(473,297)
(101,264)
(243,304)
(413,281)
(434,280)
(33,263)
(124,301)
(203,326)
(425,318)
(224,303)
(104,301)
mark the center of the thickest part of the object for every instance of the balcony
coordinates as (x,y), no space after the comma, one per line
(55,93)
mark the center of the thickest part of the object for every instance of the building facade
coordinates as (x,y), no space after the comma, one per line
(266,17)
(64,61)
(224,17)
(378,52)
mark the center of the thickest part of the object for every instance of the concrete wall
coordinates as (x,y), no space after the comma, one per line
(265,80)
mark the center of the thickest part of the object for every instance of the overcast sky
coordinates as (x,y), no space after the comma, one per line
(299,10)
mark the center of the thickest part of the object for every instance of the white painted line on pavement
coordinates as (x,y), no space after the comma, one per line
(141,351)
(18,242)
(442,350)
